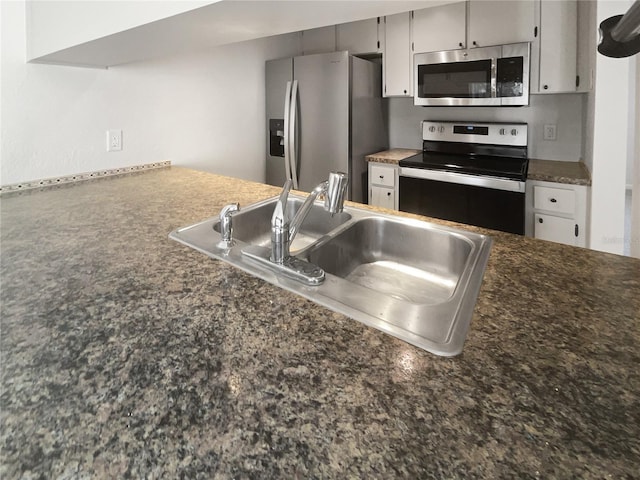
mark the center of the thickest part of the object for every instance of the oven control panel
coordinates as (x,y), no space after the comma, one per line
(512,134)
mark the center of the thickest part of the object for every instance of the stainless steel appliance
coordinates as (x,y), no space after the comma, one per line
(324,113)
(489,76)
(468,172)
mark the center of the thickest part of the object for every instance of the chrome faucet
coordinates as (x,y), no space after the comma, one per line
(283,230)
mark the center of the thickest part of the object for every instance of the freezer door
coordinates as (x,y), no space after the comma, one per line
(322,130)
(277,74)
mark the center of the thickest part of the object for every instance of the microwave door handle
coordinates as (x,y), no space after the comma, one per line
(294,132)
(494,77)
(494,74)
(286,136)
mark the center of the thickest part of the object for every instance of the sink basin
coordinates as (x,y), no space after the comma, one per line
(252,225)
(408,261)
(412,279)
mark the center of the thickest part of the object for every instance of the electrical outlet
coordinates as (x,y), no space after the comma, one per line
(114,140)
(550,131)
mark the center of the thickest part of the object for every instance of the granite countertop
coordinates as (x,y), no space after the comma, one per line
(575,173)
(127,355)
(392,156)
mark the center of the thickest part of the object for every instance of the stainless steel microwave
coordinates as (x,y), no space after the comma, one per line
(488,76)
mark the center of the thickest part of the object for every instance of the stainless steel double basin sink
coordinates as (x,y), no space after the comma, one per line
(412,279)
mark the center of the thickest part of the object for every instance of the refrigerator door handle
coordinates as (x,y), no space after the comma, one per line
(286,137)
(293,125)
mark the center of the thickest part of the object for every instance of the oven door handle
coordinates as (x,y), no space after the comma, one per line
(462,179)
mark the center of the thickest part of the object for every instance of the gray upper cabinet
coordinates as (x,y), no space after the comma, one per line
(397,58)
(358,38)
(497,22)
(558,27)
(440,28)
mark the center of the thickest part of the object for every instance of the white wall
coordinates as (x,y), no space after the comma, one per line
(566,111)
(203,110)
(609,105)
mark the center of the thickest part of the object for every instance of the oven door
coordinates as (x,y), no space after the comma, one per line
(488,202)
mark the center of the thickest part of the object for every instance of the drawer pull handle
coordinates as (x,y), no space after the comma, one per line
(540,220)
(388,194)
(553,200)
(381,176)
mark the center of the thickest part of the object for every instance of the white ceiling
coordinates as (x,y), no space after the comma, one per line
(224,22)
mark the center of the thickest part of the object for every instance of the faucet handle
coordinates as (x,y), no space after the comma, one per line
(336,191)
(280,214)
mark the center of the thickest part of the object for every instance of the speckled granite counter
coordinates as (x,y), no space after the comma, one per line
(392,156)
(127,355)
(561,172)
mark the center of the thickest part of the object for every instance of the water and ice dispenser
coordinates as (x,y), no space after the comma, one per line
(276,137)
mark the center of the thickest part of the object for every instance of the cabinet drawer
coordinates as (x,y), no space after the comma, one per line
(554,199)
(383,176)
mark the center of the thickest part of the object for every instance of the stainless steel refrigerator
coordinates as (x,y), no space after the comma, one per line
(324,113)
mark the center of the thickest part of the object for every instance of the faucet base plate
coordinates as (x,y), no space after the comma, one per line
(292,267)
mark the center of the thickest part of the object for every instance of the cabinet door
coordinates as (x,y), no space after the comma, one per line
(439,28)
(383,197)
(558,46)
(586,45)
(319,40)
(496,22)
(397,62)
(358,37)
(555,229)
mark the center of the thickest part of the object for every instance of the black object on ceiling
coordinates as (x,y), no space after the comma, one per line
(620,34)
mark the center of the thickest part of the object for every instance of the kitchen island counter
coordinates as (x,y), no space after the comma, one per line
(125,354)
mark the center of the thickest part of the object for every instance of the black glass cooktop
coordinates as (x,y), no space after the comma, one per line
(485,165)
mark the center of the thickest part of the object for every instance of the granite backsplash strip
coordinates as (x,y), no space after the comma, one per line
(79,177)
(126,355)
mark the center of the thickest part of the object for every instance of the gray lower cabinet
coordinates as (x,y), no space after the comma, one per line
(383,183)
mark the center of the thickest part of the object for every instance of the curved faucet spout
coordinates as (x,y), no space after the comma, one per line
(283,230)
(336,190)
(333,190)
(304,210)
